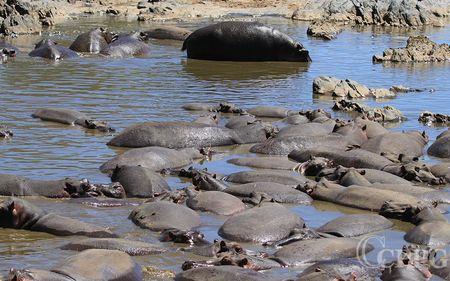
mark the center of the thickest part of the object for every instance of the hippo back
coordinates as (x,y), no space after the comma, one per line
(90,42)
(243,41)
(126,45)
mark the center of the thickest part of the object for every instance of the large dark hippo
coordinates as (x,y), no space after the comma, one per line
(261,224)
(222,273)
(20,214)
(355,225)
(216,202)
(106,265)
(338,269)
(309,251)
(158,216)
(127,45)
(185,134)
(51,50)
(243,41)
(167,32)
(71,117)
(133,248)
(154,158)
(441,146)
(92,41)
(140,181)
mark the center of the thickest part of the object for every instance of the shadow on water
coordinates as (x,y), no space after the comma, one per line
(228,70)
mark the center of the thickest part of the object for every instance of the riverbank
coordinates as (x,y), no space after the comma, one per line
(30,17)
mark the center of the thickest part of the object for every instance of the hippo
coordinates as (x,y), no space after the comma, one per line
(154,158)
(242,260)
(221,273)
(5,132)
(355,225)
(396,143)
(360,197)
(281,177)
(3,56)
(207,119)
(20,214)
(357,158)
(94,264)
(373,128)
(185,134)
(218,248)
(306,130)
(295,119)
(167,33)
(49,49)
(441,146)
(222,107)
(203,180)
(71,117)
(247,227)
(309,251)
(216,202)
(191,237)
(161,215)
(8,50)
(441,170)
(133,248)
(441,267)
(241,121)
(435,233)
(423,193)
(268,162)
(92,41)
(243,41)
(338,269)
(412,264)
(127,45)
(140,181)
(270,111)
(280,193)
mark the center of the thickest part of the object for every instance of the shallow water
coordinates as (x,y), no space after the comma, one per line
(133,90)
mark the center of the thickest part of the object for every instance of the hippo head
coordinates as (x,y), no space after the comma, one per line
(314,166)
(3,56)
(18,213)
(112,190)
(20,275)
(102,126)
(45,42)
(108,35)
(8,52)
(289,50)
(35,275)
(182,236)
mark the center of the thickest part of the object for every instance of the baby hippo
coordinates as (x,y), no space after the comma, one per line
(49,49)
(127,45)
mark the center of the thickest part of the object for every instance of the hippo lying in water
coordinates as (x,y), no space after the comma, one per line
(127,45)
(167,32)
(8,49)
(243,41)
(106,265)
(71,117)
(49,49)
(20,214)
(92,41)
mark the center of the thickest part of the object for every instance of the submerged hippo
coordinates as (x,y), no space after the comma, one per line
(92,41)
(338,269)
(106,265)
(20,214)
(127,45)
(7,49)
(71,117)
(49,49)
(168,32)
(220,273)
(243,41)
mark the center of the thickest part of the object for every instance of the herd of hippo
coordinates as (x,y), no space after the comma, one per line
(300,156)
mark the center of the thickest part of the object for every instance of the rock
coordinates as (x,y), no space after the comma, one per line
(430,118)
(323,29)
(221,273)
(133,248)
(355,225)
(418,49)
(161,215)
(384,114)
(280,193)
(16,24)
(326,85)
(216,202)
(441,147)
(309,251)
(261,224)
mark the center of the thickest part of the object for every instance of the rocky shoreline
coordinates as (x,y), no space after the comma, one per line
(19,17)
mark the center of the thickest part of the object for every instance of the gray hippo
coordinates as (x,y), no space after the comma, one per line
(397,143)
(168,33)
(355,225)
(338,269)
(88,265)
(435,233)
(271,111)
(185,134)
(275,176)
(216,202)
(92,41)
(133,248)
(268,162)
(243,41)
(441,147)
(70,117)
(247,226)
(20,214)
(49,49)
(127,45)
(222,273)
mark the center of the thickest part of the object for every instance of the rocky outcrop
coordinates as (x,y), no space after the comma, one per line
(403,13)
(323,29)
(418,49)
(350,89)
(429,118)
(377,114)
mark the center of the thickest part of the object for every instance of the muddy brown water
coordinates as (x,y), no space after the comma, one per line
(127,91)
